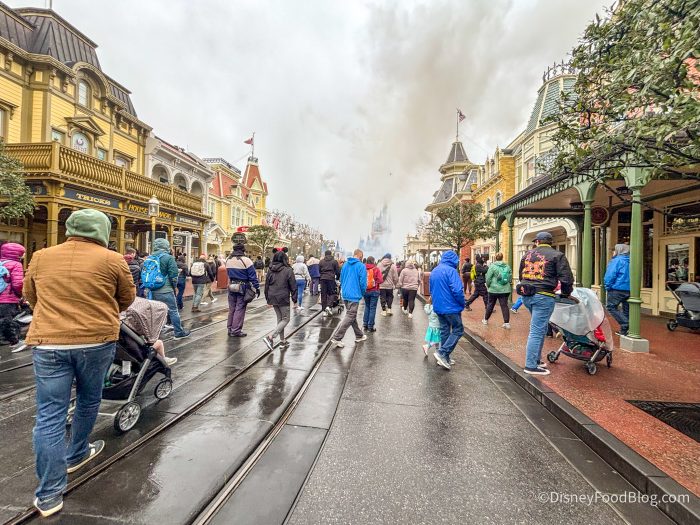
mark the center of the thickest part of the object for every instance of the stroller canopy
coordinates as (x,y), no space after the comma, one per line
(146,318)
(581,318)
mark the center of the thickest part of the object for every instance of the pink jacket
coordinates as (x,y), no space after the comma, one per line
(409,278)
(10,255)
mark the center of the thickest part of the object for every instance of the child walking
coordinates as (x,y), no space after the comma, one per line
(432,334)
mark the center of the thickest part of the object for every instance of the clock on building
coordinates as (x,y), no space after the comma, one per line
(599,215)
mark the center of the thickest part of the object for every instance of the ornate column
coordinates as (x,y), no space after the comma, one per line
(52,224)
(121,229)
(587,248)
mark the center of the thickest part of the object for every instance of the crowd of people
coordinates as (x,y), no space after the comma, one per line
(74,330)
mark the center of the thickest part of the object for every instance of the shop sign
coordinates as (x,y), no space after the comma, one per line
(599,215)
(37,189)
(143,210)
(187,220)
(178,240)
(90,198)
(242,229)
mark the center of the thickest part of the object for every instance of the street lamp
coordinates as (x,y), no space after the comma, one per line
(153,211)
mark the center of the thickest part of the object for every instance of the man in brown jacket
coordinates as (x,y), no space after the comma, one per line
(76,290)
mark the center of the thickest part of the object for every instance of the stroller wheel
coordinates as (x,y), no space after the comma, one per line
(608,360)
(552,357)
(591,368)
(127,416)
(163,388)
(672,325)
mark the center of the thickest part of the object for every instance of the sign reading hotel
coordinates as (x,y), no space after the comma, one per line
(143,210)
(90,198)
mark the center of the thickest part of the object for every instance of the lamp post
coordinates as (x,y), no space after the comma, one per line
(153,211)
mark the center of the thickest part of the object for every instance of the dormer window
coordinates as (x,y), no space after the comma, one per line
(83,93)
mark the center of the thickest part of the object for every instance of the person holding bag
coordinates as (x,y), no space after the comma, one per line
(242,289)
(498,284)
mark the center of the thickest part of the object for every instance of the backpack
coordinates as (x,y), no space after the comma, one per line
(258,265)
(4,277)
(370,279)
(472,272)
(504,276)
(198,269)
(151,276)
(386,272)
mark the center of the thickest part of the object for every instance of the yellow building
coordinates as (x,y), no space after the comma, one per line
(495,184)
(77,134)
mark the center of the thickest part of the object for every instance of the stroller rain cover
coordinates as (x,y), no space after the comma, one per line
(146,318)
(581,318)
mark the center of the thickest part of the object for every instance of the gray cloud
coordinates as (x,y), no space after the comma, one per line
(340,94)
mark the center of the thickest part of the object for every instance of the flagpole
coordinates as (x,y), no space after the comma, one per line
(252,153)
(457,139)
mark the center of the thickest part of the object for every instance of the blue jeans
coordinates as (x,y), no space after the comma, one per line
(615,298)
(517,304)
(371,300)
(180,292)
(451,329)
(541,308)
(54,371)
(168,298)
(198,294)
(301,284)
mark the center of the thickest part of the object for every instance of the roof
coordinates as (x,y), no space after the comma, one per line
(539,183)
(457,153)
(252,173)
(445,192)
(548,98)
(182,152)
(222,161)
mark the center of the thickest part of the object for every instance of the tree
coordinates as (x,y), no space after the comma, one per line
(16,199)
(263,237)
(636,99)
(458,224)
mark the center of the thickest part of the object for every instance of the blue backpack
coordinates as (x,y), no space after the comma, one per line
(4,277)
(151,276)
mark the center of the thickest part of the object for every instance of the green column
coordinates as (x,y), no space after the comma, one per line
(587,248)
(511,248)
(636,256)
(498,241)
(603,261)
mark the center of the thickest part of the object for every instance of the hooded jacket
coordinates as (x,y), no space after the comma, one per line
(378,279)
(87,311)
(446,287)
(353,280)
(168,265)
(314,268)
(543,267)
(11,254)
(280,285)
(301,271)
(206,277)
(329,269)
(391,276)
(617,274)
(409,278)
(134,268)
(492,276)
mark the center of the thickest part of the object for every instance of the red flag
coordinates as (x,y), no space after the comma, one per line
(249,141)
(460,115)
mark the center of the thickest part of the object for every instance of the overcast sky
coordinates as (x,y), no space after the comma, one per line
(340,93)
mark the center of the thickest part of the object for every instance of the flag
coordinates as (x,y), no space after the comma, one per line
(460,115)
(249,141)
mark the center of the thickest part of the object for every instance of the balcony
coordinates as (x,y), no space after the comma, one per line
(55,161)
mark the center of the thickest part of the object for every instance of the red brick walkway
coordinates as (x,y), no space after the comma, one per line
(670,372)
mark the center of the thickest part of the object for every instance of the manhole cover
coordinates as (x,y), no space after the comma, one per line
(684,417)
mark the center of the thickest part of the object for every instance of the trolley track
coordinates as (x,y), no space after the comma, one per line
(30,513)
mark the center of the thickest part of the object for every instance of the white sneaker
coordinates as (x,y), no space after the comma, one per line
(389,312)
(19,347)
(383,313)
(360,339)
(338,344)
(506,326)
(425,350)
(170,361)
(404,310)
(410,316)
(214,299)
(484,321)
(514,310)
(203,303)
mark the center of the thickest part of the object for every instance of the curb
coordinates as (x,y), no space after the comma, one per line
(643,475)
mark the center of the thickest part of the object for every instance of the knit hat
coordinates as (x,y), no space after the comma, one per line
(387,256)
(89,224)
(161,245)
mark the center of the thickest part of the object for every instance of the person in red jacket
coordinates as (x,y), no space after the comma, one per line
(11,255)
(374,279)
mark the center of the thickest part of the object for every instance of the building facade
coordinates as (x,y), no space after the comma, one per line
(77,134)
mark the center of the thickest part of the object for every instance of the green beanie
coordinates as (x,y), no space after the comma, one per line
(90,224)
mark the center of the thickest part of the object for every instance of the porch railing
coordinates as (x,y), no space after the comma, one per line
(46,159)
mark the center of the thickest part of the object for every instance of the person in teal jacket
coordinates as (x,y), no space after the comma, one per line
(499,284)
(353,285)
(617,285)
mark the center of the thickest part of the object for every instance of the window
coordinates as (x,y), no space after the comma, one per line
(498,198)
(101,154)
(3,122)
(488,205)
(212,208)
(57,136)
(80,142)
(83,93)
(122,161)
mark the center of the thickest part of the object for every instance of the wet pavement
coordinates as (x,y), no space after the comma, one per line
(381,435)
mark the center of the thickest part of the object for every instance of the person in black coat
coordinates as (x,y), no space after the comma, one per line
(280,292)
(183,274)
(330,272)
(479,285)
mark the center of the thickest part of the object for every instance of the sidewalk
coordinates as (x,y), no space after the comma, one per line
(670,372)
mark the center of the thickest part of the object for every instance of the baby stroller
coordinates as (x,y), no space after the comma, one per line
(688,307)
(584,328)
(335,305)
(135,364)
